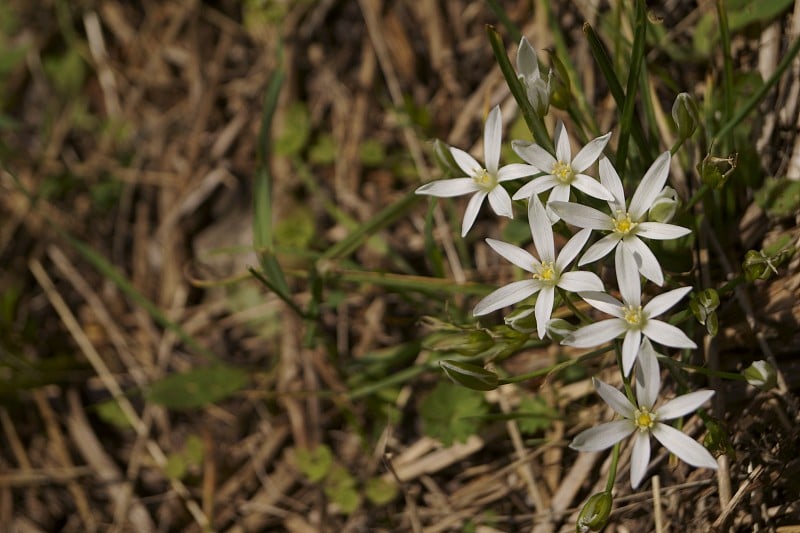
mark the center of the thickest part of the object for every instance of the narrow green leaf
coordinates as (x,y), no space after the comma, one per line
(629,103)
(198,387)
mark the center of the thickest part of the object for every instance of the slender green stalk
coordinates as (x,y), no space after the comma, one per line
(614,86)
(612,469)
(555,368)
(534,121)
(629,103)
(727,65)
(575,311)
(733,376)
(754,100)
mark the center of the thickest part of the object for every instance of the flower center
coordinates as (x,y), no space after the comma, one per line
(484,179)
(644,419)
(633,315)
(545,272)
(623,223)
(563,171)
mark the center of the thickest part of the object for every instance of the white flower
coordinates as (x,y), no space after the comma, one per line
(632,320)
(481,181)
(562,172)
(537,88)
(642,420)
(626,224)
(548,273)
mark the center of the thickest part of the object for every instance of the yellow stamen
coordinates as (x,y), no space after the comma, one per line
(545,272)
(563,171)
(623,223)
(485,179)
(644,419)
(633,315)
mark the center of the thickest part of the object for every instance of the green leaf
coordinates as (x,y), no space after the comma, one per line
(323,152)
(296,229)
(452,413)
(340,487)
(110,412)
(296,130)
(534,415)
(372,153)
(779,197)
(198,387)
(380,492)
(314,464)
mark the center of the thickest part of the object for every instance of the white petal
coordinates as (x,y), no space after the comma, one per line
(492,138)
(650,186)
(534,154)
(570,250)
(645,259)
(600,249)
(648,376)
(614,398)
(544,308)
(580,281)
(466,162)
(592,187)
(501,202)
(560,193)
(471,213)
(604,302)
(602,436)
(541,231)
(663,302)
(628,277)
(630,349)
(527,63)
(563,151)
(506,295)
(667,334)
(538,185)
(590,153)
(449,188)
(686,448)
(684,404)
(516,171)
(640,457)
(596,334)
(610,180)
(582,216)
(515,254)
(660,231)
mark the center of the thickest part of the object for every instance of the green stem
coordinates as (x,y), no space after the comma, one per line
(612,470)
(727,62)
(555,368)
(575,311)
(629,103)
(733,376)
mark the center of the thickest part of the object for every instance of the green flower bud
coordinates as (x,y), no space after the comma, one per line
(664,206)
(464,342)
(762,375)
(685,115)
(715,171)
(470,376)
(595,513)
(522,319)
(558,328)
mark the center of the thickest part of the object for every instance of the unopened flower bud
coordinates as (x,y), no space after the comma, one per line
(522,319)
(664,206)
(595,513)
(761,374)
(558,328)
(537,89)
(470,376)
(462,342)
(685,115)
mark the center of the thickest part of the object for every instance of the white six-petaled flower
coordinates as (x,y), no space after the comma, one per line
(626,223)
(642,420)
(562,171)
(631,319)
(481,181)
(548,272)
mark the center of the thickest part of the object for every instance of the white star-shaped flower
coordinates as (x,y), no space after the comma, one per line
(631,319)
(562,172)
(626,224)
(642,420)
(481,181)
(548,272)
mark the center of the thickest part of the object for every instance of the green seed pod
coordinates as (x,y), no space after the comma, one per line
(762,375)
(685,115)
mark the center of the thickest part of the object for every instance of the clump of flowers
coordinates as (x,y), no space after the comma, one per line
(551,277)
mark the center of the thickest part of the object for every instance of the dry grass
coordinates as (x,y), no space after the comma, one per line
(169,111)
